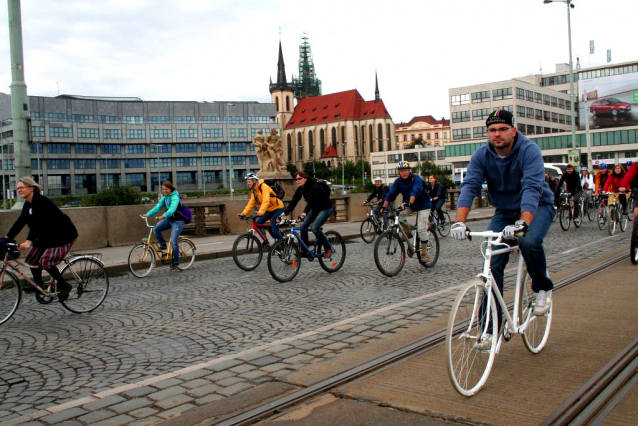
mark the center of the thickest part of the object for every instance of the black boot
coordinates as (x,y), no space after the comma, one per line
(63,287)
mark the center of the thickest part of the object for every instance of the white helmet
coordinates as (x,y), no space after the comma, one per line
(251,176)
(378,179)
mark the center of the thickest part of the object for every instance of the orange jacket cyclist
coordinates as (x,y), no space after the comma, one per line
(270,206)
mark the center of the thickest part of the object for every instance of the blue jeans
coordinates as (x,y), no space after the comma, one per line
(176,228)
(385,215)
(436,205)
(274,227)
(531,248)
(315,220)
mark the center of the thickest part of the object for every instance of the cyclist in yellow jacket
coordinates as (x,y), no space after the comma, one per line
(269,205)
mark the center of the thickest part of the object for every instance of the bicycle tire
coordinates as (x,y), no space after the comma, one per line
(464,330)
(611,221)
(564,217)
(537,331)
(386,247)
(623,219)
(556,213)
(186,253)
(247,251)
(444,229)
(631,205)
(89,292)
(633,245)
(335,262)
(591,211)
(141,260)
(10,296)
(578,218)
(368,231)
(284,256)
(433,249)
(602,217)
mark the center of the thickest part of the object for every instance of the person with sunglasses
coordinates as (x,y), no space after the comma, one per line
(317,211)
(513,166)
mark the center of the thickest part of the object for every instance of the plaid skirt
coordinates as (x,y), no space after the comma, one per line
(46,258)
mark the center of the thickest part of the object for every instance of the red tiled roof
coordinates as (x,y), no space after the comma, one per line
(330,152)
(425,118)
(335,107)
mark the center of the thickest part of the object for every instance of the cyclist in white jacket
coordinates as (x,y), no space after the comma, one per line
(587,182)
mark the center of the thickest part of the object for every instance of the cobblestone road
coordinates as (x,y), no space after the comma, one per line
(177,340)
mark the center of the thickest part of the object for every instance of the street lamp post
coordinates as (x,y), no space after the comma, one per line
(343,166)
(4,194)
(230,163)
(572,96)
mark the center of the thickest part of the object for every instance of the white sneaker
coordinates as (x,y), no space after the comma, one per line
(485,343)
(543,302)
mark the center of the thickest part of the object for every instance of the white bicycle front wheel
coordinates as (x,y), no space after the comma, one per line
(469,364)
(537,330)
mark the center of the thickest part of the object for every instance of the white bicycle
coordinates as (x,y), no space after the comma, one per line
(470,355)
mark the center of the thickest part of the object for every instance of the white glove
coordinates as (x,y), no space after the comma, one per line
(458,231)
(519,226)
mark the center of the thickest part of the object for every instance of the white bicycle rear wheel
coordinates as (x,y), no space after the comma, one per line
(537,331)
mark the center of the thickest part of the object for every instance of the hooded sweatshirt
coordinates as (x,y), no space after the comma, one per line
(264,196)
(169,202)
(515,182)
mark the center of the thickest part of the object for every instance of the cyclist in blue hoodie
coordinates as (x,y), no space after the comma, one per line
(411,187)
(513,167)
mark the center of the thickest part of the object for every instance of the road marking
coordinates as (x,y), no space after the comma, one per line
(589,244)
(210,244)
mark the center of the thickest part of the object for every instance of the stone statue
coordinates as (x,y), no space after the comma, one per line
(276,151)
(261,149)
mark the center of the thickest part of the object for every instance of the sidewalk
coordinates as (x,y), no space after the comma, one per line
(216,246)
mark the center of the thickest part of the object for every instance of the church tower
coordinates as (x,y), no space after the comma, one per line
(282,93)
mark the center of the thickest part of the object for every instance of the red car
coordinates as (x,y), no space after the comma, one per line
(609,106)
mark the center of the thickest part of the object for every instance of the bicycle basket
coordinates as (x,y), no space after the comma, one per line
(10,248)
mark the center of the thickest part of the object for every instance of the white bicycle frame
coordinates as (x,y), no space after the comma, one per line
(513,326)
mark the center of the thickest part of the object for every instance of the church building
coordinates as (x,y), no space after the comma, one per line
(327,128)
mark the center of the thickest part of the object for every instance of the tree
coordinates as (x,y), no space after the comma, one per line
(417,141)
(114,196)
(428,168)
(321,171)
(292,169)
(366,168)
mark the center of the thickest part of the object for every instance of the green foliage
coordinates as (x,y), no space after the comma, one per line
(321,171)
(428,168)
(292,169)
(417,141)
(114,196)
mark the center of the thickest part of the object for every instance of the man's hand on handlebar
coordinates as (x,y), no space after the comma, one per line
(144,215)
(458,231)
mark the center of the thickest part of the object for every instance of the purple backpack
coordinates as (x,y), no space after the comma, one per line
(183,213)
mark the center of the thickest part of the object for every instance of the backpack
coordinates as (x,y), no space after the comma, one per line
(278,190)
(324,185)
(183,213)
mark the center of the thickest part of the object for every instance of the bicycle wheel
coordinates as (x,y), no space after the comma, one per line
(564,217)
(591,211)
(10,296)
(578,217)
(89,284)
(537,330)
(368,231)
(468,365)
(602,217)
(389,253)
(613,219)
(631,205)
(284,260)
(433,250)
(633,245)
(186,253)
(247,252)
(141,260)
(444,228)
(335,262)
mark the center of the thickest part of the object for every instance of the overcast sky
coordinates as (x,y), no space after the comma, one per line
(213,50)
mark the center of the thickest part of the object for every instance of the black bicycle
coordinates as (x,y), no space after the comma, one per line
(632,202)
(443,224)
(372,225)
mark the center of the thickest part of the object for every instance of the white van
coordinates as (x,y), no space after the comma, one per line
(555,170)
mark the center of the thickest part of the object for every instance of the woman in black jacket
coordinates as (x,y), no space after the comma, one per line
(317,212)
(51,235)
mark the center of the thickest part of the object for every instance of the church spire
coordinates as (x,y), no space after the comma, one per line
(376,87)
(281,84)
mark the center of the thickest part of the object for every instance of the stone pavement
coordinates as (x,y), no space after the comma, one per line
(175,341)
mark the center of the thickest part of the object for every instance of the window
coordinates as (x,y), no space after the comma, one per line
(500,94)
(186,147)
(85,148)
(521,127)
(186,178)
(253,159)
(186,162)
(159,119)
(520,93)
(530,112)
(568,119)
(259,119)
(135,179)
(561,118)
(84,164)
(529,95)
(37,131)
(184,119)
(135,134)
(441,154)
(554,101)
(429,136)
(236,118)
(530,129)
(394,158)
(112,133)
(546,99)
(82,118)
(36,148)
(161,148)
(254,132)
(186,133)
(133,119)
(538,98)
(108,119)
(212,133)
(411,156)
(237,161)
(209,119)
(546,116)
(478,97)
(520,111)
(55,116)
(238,133)
(35,164)
(561,103)
(61,132)
(35,115)
(135,149)
(479,132)
(212,147)
(58,164)
(460,116)
(481,114)
(8,164)
(237,146)
(554,117)
(88,133)
(568,105)
(539,130)
(109,163)
(134,163)
(161,134)
(110,149)
(436,135)
(539,114)
(461,99)
(461,134)
(59,148)
(212,161)
(160,162)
